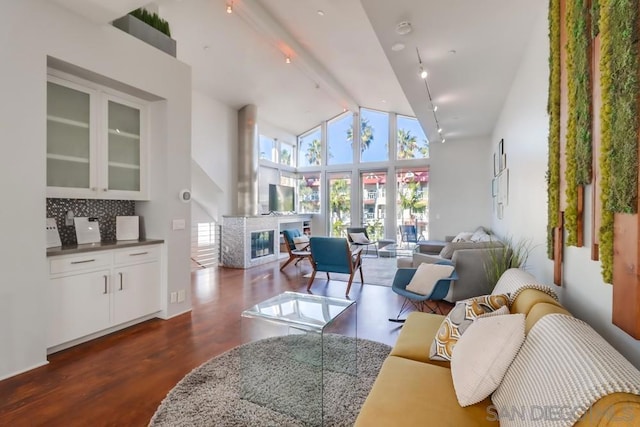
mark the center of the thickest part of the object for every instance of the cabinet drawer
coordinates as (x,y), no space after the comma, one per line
(137,254)
(87,261)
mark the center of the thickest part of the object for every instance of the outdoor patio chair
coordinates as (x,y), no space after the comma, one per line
(408,234)
(333,255)
(363,243)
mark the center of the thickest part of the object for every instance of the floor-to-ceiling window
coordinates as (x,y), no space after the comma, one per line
(339,188)
(374,205)
(379,151)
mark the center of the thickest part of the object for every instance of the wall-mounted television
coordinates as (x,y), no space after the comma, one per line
(281,198)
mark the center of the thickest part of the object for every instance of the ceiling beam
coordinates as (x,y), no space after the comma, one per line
(258,18)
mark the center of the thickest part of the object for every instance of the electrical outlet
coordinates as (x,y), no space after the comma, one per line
(181,295)
(174,297)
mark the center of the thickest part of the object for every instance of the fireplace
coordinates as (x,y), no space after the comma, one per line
(262,243)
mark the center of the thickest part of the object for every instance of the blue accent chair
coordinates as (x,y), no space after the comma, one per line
(420,302)
(294,254)
(333,255)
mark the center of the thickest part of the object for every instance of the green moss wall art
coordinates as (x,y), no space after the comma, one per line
(605,238)
(553,108)
(619,153)
(578,149)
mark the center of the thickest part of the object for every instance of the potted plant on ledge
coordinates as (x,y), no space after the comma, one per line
(149,28)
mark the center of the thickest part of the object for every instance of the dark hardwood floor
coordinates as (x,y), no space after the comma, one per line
(120,379)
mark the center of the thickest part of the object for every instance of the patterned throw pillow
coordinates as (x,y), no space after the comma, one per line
(459,319)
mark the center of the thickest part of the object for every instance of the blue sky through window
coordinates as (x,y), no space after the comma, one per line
(340,149)
(412,128)
(309,153)
(378,149)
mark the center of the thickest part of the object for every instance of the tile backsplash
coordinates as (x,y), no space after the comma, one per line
(105,210)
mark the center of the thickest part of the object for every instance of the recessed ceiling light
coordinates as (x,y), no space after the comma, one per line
(443,140)
(435,108)
(439,130)
(423,73)
(287,60)
(397,47)
(320,12)
(230,7)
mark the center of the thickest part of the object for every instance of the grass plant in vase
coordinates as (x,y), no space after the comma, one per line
(513,254)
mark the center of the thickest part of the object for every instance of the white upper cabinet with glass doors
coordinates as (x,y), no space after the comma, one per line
(96,142)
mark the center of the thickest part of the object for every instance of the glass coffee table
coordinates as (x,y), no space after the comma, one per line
(398,250)
(320,344)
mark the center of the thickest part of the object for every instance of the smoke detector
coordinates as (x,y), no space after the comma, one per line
(403,28)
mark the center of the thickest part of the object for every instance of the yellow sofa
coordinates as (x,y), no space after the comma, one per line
(412,390)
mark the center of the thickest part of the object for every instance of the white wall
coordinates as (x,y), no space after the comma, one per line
(459,183)
(524,126)
(214,147)
(31,30)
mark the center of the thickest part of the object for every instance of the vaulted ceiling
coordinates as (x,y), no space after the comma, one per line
(342,57)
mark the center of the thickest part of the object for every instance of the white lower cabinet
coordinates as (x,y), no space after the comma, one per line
(137,292)
(87,296)
(79,306)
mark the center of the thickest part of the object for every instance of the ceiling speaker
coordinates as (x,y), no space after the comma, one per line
(403,28)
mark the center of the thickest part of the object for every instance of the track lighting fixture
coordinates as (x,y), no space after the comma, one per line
(434,108)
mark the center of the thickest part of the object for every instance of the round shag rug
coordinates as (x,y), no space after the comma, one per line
(277,382)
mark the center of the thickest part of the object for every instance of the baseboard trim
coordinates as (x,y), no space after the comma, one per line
(164,317)
(69,344)
(22,371)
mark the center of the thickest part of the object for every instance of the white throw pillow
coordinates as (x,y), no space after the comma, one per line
(426,277)
(301,242)
(464,236)
(479,235)
(483,354)
(359,238)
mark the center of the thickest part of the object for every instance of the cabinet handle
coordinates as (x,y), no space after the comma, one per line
(120,274)
(105,189)
(105,284)
(139,253)
(94,189)
(82,262)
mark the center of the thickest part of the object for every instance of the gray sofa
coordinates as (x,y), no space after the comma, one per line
(469,259)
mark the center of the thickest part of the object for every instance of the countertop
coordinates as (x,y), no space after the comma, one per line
(91,247)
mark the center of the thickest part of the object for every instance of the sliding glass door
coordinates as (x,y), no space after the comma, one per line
(339,185)
(374,209)
(412,202)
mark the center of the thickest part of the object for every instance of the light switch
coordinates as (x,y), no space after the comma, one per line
(179,224)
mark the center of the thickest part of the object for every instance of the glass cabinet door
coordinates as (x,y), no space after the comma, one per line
(123,147)
(68,137)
